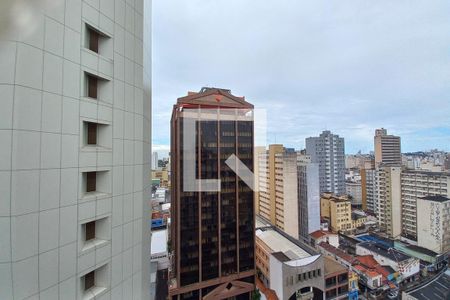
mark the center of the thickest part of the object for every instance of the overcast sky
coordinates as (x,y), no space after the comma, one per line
(345,66)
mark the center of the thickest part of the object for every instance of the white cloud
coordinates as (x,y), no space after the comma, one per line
(347,66)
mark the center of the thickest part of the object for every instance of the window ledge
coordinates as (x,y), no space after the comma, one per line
(93,244)
(94,196)
(100,56)
(94,292)
(98,100)
(95,148)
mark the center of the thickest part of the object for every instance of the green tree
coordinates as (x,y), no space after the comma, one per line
(256,295)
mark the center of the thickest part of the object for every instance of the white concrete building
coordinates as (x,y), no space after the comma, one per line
(158,249)
(308,193)
(417,184)
(292,268)
(433,230)
(75,149)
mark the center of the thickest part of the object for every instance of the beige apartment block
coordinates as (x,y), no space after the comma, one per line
(337,210)
(389,208)
(387,148)
(277,199)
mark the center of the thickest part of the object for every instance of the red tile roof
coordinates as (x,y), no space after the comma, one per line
(318,234)
(366,263)
(370,264)
(367,260)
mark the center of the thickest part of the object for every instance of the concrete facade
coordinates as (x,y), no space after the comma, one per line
(433,230)
(308,196)
(338,211)
(277,196)
(75,153)
(288,266)
(415,185)
(389,200)
(289,277)
(328,150)
(354,190)
(387,148)
(368,189)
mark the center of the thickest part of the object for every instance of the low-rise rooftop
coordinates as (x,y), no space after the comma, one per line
(435,198)
(320,233)
(159,241)
(278,243)
(335,251)
(389,253)
(357,216)
(332,267)
(422,250)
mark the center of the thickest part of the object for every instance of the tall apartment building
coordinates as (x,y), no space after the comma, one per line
(389,206)
(433,230)
(328,151)
(308,194)
(75,149)
(212,232)
(277,196)
(259,154)
(368,189)
(415,185)
(289,191)
(387,148)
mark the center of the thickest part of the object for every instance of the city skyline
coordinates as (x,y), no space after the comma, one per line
(224,150)
(387,70)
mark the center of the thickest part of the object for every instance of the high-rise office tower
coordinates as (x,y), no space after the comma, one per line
(387,148)
(308,196)
(328,151)
(212,231)
(75,149)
